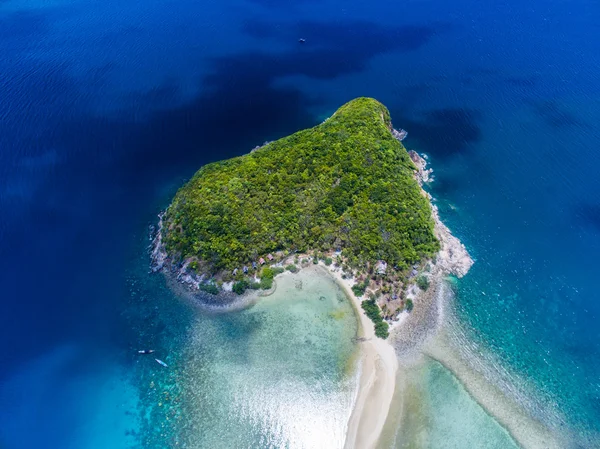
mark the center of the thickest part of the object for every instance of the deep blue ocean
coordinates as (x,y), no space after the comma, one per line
(107,107)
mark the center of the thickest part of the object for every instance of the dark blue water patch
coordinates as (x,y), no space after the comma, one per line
(444,132)
(523,81)
(588,215)
(115,164)
(357,38)
(217,124)
(555,114)
(19,29)
(276,4)
(481,72)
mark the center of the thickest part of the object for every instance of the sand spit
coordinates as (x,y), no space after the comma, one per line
(378,368)
(431,331)
(482,381)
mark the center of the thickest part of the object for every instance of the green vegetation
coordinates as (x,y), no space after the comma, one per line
(373,311)
(209,288)
(240,287)
(266,283)
(409,305)
(291,267)
(359,289)
(381,329)
(346,183)
(423,282)
(267,273)
(328,261)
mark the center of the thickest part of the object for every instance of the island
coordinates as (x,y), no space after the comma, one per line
(344,198)
(344,192)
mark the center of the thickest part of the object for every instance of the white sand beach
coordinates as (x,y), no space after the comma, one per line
(378,366)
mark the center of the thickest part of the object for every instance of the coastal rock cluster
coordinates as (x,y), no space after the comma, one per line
(453,258)
(412,332)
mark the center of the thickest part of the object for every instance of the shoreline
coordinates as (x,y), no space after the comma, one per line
(378,369)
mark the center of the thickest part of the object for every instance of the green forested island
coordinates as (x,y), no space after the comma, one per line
(346,184)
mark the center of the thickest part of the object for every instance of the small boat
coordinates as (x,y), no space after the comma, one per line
(302,40)
(145,351)
(160,362)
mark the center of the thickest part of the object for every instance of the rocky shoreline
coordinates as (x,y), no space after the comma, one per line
(411,332)
(453,258)
(187,284)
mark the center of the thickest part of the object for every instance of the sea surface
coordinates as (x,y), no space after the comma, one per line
(107,107)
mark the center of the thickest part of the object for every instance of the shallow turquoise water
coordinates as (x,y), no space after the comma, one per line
(442,415)
(455,420)
(281,373)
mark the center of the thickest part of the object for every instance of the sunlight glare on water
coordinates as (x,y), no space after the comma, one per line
(280,374)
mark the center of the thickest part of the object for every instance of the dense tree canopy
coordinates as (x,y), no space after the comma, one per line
(346,183)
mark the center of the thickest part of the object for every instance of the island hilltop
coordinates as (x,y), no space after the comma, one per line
(345,194)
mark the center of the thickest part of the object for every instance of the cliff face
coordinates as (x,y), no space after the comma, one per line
(345,184)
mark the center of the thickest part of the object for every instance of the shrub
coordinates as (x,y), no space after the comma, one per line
(374,313)
(254,285)
(423,282)
(240,287)
(291,267)
(211,289)
(409,305)
(266,283)
(315,260)
(328,261)
(371,309)
(277,270)
(381,329)
(359,289)
(267,273)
